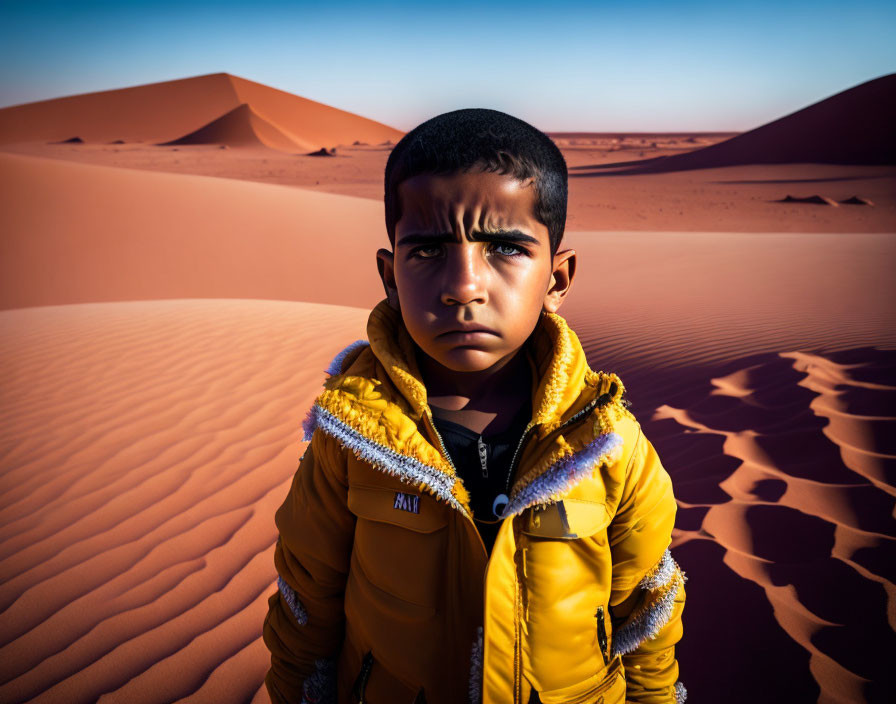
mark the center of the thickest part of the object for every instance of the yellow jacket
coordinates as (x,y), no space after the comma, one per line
(386,592)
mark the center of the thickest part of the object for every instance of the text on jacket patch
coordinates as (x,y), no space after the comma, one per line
(407,502)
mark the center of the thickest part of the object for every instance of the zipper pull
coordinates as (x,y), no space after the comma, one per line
(483,456)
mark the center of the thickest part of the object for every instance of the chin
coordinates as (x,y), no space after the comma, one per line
(467,359)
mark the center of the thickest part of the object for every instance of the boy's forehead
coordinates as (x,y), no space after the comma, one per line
(470,184)
(433,199)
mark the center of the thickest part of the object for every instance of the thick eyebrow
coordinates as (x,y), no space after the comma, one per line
(424,238)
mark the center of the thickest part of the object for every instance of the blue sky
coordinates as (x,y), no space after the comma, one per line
(563,66)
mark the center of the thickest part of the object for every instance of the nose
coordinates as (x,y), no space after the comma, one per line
(464,276)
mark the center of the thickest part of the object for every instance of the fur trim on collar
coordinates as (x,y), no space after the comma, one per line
(409,469)
(336,365)
(565,473)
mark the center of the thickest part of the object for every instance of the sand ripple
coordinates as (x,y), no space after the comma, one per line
(145,448)
(785,469)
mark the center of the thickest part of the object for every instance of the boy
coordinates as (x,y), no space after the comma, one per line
(478,516)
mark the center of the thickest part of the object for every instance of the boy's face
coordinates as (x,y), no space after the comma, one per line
(472,268)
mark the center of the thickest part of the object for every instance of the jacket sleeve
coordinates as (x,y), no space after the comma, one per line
(304,626)
(647,596)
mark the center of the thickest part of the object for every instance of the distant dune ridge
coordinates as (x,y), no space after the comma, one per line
(170,110)
(856,126)
(167,313)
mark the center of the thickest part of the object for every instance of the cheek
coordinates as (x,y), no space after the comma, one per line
(407,281)
(415,291)
(520,300)
(526,284)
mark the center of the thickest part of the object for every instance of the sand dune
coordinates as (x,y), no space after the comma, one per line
(310,122)
(118,234)
(145,448)
(168,110)
(190,236)
(241,126)
(125,234)
(851,127)
(688,299)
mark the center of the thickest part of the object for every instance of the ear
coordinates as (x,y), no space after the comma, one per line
(385,264)
(564,269)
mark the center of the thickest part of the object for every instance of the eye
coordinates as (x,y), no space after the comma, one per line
(427,251)
(505,249)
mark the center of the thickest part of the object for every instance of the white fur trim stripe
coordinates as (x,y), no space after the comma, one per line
(292,600)
(564,474)
(647,625)
(650,621)
(384,458)
(476,669)
(320,686)
(661,573)
(681,694)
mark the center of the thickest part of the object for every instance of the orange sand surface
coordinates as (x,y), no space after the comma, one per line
(166,314)
(146,446)
(122,234)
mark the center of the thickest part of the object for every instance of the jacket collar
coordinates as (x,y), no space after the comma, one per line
(375,401)
(555,355)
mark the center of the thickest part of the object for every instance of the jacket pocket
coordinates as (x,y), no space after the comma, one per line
(408,507)
(607,687)
(568,519)
(400,542)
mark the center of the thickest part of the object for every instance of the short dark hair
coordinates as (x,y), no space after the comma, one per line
(460,140)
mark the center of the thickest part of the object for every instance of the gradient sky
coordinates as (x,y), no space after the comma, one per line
(563,66)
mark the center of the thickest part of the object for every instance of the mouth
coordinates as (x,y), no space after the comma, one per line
(468,331)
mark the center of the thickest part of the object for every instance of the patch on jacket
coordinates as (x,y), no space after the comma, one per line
(407,502)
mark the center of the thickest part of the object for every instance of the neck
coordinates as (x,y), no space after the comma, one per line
(490,391)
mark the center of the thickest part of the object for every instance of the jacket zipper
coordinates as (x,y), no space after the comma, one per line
(517,666)
(435,430)
(517,663)
(516,455)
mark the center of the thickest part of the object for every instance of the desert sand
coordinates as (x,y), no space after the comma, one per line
(167,311)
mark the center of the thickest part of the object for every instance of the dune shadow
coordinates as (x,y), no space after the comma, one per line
(783,467)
